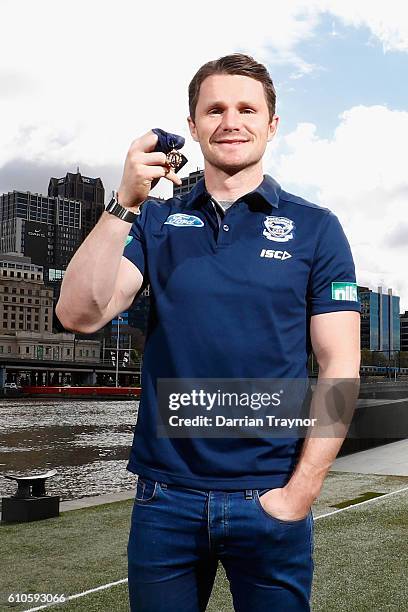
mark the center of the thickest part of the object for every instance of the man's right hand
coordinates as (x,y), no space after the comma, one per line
(142,171)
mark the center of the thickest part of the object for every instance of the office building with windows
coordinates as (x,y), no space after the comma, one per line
(25,302)
(26,311)
(49,229)
(89,191)
(404,331)
(188,182)
(380,320)
(46,229)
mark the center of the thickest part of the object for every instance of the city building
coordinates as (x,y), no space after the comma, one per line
(89,191)
(49,229)
(46,229)
(380,320)
(26,308)
(47,346)
(25,303)
(188,182)
(404,331)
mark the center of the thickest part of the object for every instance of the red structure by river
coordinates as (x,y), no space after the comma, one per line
(82,392)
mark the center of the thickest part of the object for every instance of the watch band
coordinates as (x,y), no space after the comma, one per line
(114,208)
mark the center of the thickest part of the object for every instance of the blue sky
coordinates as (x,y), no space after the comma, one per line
(351,68)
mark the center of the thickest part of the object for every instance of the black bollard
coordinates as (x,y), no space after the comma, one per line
(30,502)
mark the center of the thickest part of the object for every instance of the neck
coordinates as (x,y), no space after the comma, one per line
(224,186)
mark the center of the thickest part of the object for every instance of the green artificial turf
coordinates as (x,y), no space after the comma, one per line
(360,558)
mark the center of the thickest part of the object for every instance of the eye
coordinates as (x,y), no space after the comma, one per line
(218,110)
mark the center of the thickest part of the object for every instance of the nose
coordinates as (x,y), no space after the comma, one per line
(231,120)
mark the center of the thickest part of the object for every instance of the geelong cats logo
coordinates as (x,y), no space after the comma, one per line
(279,229)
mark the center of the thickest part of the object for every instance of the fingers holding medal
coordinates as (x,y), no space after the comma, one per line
(169,144)
(150,157)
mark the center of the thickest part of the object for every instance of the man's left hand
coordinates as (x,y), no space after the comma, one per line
(282,504)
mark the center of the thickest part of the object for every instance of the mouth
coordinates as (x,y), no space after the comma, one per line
(233,143)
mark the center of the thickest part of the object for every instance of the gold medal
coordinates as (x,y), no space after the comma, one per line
(174,158)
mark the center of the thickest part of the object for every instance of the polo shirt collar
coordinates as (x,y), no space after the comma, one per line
(267,192)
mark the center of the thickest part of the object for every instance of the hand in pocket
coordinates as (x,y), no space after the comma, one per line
(279,504)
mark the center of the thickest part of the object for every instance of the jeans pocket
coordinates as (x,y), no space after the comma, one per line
(147,490)
(275,519)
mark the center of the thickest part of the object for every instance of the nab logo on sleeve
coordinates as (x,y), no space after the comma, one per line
(344,291)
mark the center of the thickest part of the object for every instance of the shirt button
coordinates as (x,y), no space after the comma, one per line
(225,228)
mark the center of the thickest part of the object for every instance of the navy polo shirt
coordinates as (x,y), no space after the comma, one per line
(232,301)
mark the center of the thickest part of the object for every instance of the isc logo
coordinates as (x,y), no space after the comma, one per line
(274,254)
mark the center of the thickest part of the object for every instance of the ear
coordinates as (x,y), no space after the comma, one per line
(273,126)
(193,129)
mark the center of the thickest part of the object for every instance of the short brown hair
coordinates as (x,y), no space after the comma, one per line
(237,63)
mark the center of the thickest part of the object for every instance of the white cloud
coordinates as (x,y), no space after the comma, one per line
(388,22)
(83,79)
(91,76)
(360,174)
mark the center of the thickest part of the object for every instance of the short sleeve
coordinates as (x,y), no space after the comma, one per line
(332,283)
(135,245)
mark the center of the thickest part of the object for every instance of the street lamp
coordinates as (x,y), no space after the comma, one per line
(117,353)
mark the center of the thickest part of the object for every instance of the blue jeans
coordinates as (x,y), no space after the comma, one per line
(178,534)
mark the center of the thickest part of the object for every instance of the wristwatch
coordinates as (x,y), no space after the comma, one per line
(114,208)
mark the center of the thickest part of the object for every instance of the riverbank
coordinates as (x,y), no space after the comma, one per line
(73,393)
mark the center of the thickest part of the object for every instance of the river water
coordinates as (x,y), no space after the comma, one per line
(87,442)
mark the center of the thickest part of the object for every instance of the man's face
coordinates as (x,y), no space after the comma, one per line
(232,108)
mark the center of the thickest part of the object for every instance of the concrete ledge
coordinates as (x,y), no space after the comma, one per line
(376,422)
(390,459)
(97,500)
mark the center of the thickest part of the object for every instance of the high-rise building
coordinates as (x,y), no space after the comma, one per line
(380,320)
(89,191)
(404,331)
(49,229)
(46,229)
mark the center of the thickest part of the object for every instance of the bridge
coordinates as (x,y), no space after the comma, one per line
(39,372)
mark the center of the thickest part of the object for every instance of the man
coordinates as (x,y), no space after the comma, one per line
(241,277)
